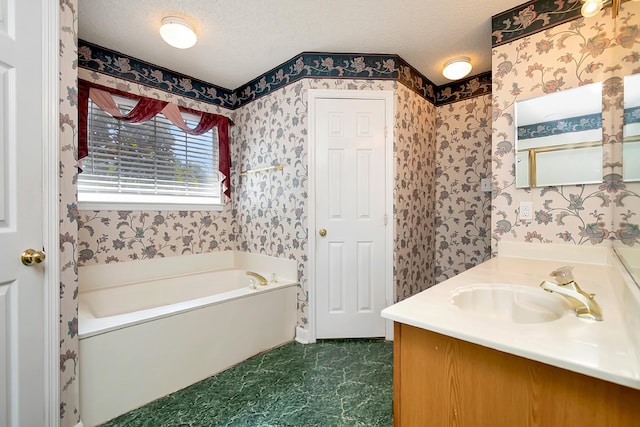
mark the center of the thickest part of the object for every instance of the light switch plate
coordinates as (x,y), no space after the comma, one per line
(526,211)
(485,184)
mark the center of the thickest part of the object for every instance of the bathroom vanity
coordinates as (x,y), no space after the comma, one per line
(490,348)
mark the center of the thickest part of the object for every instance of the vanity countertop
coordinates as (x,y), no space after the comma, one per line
(608,350)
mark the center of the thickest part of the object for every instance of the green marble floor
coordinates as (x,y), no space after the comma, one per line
(330,383)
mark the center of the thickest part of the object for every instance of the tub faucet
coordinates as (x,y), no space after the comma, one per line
(583,302)
(258,277)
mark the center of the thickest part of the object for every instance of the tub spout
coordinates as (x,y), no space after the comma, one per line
(258,277)
(583,302)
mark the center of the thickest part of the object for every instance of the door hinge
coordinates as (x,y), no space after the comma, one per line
(386,219)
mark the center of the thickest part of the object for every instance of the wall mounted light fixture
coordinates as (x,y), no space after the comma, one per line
(178,32)
(457,68)
(593,7)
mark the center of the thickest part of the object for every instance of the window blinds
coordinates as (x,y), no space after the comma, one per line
(152,160)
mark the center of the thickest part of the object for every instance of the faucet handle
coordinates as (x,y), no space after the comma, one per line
(563,274)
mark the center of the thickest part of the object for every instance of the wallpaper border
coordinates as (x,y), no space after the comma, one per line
(305,65)
(631,115)
(471,87)
(532,17)
(117,64)
(336,65)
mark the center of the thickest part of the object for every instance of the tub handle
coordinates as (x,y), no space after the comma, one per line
(257,276)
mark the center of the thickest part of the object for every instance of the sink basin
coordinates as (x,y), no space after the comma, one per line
(513,303)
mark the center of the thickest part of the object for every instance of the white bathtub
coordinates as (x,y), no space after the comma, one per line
(149,328)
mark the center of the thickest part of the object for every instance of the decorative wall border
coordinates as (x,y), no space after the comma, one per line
(306,64)
(336,65)
(631,115)
(532,17)
(411,78)
(552,128)
(470,87)
(120,65)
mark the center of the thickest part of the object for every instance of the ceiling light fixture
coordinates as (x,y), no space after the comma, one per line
(178,32)
(457,68)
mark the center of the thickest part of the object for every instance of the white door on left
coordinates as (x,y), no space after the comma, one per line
(22,326)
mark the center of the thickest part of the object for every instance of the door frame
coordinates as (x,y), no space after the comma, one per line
(388,97)
(51,209)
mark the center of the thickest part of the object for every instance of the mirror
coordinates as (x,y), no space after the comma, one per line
(631,132)
(630,258)
(559,138)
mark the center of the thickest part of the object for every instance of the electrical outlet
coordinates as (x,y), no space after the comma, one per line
(526,211)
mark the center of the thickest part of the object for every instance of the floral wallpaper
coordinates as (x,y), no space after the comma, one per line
(118,236)
(569,55)
(270,209)
(414,193)
(68,119)
(463,214)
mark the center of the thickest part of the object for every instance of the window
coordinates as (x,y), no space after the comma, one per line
(147,165)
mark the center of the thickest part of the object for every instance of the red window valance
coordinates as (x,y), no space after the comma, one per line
(147,108)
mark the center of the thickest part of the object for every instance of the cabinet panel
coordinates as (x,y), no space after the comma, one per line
(443,381)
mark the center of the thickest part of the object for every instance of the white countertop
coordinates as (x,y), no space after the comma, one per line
(607,350)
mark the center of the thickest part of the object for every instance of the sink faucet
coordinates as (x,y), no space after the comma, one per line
(583,302)
(258,277)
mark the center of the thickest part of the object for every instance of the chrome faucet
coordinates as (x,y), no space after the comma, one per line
(583,302)
(258,277)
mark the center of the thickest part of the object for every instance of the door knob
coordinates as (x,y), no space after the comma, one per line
(31,257)
(322,232)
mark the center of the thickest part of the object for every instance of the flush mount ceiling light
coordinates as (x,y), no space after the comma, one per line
(178,32)
(457,68)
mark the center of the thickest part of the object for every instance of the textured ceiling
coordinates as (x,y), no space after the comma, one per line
(238,40)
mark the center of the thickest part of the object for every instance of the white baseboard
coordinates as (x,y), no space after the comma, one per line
(302,335)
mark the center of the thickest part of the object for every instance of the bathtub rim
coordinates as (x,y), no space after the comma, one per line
(90,326)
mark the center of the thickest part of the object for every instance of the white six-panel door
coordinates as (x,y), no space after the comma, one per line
(350,217)
(22,309)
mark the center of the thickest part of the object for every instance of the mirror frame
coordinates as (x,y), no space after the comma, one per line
(549,126)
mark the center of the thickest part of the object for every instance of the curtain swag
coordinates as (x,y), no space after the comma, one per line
(146,109)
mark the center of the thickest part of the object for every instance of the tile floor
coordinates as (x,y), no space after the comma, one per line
(330,383)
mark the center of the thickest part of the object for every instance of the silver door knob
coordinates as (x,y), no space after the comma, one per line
(31,257)
(322,232)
